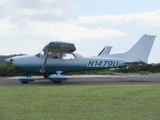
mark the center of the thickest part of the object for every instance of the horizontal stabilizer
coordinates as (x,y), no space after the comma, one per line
(105,51)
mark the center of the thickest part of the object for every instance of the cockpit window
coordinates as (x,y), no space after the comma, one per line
(41,54)
(50,55)
(68,56)
(56,55)
(78,55)
(53,55)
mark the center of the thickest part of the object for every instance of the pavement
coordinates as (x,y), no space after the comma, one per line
(80,80)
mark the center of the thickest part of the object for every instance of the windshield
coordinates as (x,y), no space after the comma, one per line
(78,55)
(58,55)
(40,54)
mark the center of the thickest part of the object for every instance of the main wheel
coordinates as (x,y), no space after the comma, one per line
(28,75)
(24,82)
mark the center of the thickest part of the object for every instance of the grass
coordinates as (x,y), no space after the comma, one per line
(140,102)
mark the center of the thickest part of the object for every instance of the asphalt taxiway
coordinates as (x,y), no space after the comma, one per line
(85,80)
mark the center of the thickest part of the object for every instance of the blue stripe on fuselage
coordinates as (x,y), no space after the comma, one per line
(53,69)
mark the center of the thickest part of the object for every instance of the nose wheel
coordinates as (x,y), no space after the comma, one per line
(26,79)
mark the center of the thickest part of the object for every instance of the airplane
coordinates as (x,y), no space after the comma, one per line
(60,57)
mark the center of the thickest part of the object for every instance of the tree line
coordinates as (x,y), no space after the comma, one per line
(3,57)
(9,70)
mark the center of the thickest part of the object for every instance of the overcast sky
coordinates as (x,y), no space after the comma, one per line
(26,26)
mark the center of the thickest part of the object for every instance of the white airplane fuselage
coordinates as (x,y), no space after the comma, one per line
(33,64)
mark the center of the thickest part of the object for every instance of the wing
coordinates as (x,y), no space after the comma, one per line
(61,47)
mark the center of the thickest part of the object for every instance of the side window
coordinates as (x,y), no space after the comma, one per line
(68,56)
(53,55)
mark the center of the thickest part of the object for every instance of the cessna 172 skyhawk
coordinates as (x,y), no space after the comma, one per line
(55,59)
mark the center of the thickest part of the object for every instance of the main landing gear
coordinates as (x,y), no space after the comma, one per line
(58,78)
(46,76)
(53,78)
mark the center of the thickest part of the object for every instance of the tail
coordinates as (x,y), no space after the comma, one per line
(141,50)
(139,53)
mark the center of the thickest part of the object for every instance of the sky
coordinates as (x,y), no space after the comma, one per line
(26,26)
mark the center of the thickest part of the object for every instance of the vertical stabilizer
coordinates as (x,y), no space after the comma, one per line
(141,50)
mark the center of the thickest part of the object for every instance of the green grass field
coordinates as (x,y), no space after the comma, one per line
(138,102)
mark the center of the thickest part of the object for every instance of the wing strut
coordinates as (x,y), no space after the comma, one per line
(45,60)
